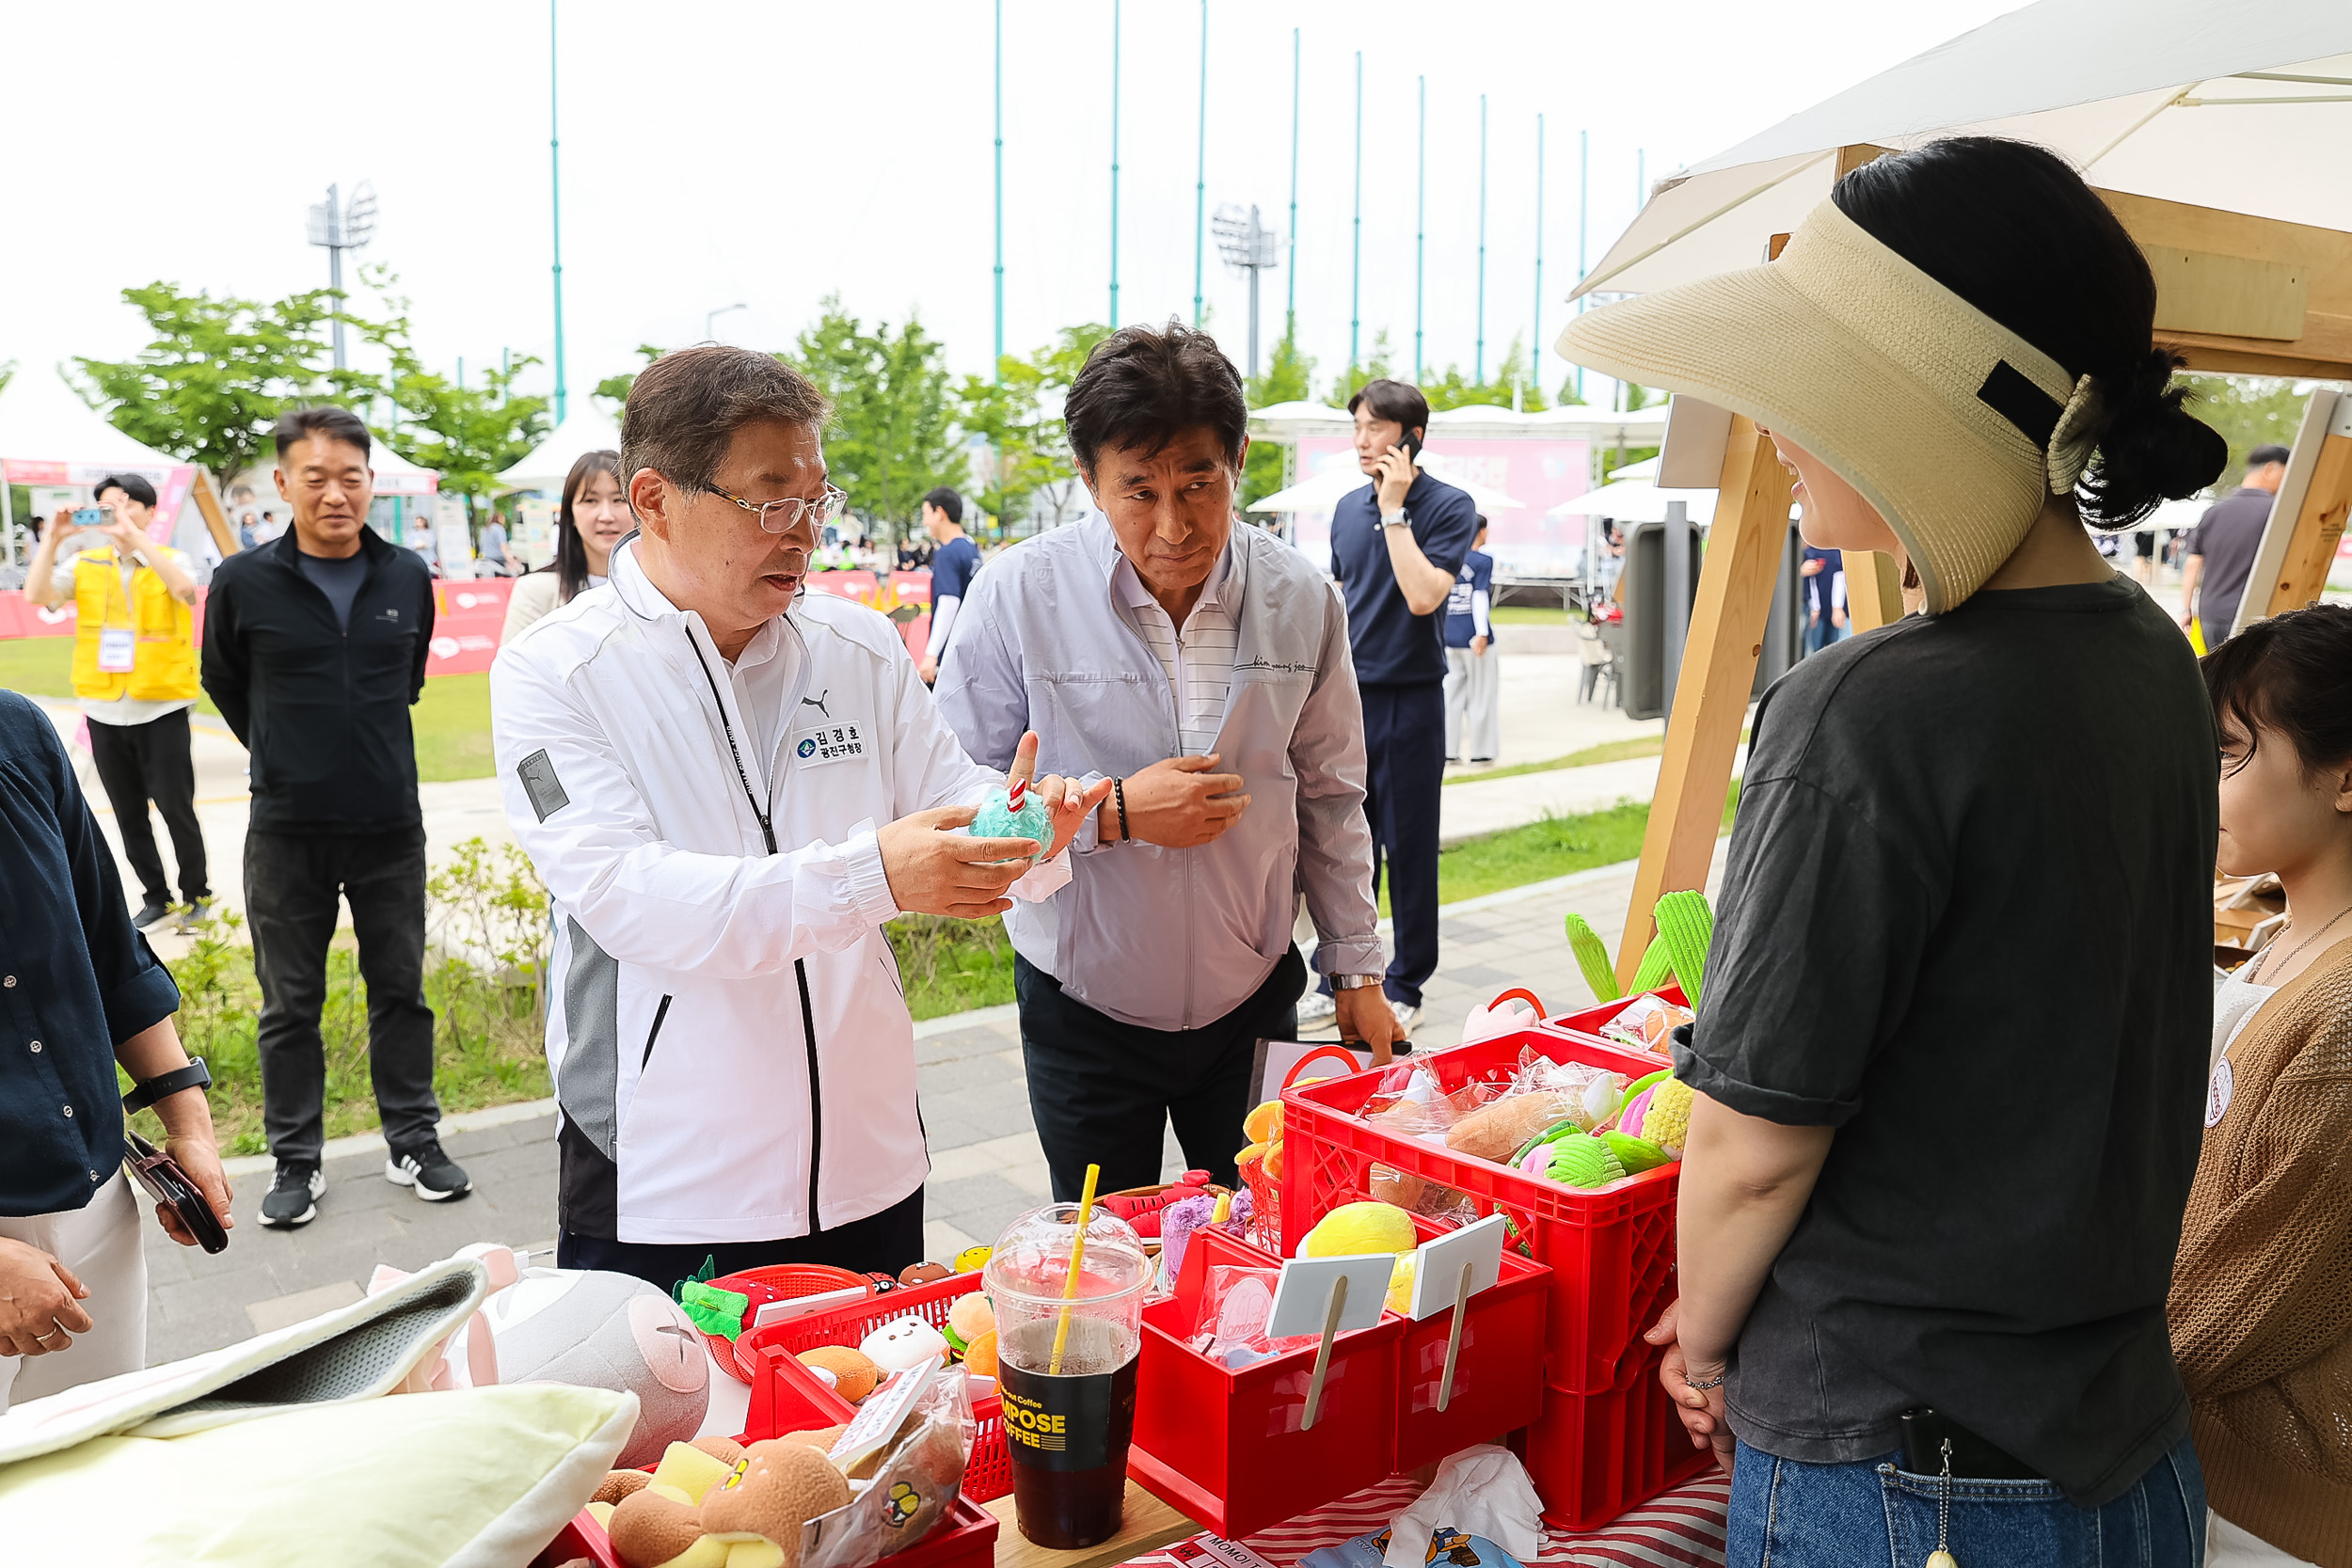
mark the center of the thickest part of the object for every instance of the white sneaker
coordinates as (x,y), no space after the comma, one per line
(1404,1016)
(1316,1010)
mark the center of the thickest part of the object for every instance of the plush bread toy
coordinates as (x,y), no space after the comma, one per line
(853,1371)
(697,1512)
(968,1318)
(903,1343)
(1495,1132)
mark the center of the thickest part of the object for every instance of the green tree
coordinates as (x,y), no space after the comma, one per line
(1517,377)
(1288,378)
(1020,414)
(472,435)
(2250,411)
(1355,375)
(219,371)
(614,388)
(893,436)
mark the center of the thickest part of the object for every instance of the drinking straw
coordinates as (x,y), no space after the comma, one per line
(1069,1286)
(1016,792)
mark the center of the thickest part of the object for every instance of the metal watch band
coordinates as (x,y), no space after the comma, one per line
(1353,982)
(195,1075)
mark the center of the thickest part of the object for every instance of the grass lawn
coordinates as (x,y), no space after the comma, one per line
(1527,615)
(452,719)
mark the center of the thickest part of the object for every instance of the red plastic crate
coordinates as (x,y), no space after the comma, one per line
(1585,1024)
(1610,1249)
(1503,1339)
(1227,1447)
(988,1473)
(1593,1456)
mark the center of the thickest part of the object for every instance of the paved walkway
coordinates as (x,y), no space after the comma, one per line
(986,1164)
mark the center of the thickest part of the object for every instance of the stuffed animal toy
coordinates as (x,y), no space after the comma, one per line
(903,1343)
(968,1318)
(1659,1114)
(694,1511)
(1361,1227)
(853,1372)
(923,1274)
(1493,1130)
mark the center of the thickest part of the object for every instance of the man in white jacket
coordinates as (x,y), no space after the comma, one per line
(727,789)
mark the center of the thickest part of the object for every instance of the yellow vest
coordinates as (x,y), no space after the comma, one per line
(163,666)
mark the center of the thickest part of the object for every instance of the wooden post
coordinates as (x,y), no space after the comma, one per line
(215,516)
(1874,590)
(1744,552)
(2308,551)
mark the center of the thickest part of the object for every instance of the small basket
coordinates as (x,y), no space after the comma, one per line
(776,1282)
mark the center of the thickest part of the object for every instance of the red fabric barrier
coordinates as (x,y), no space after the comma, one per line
(466,620)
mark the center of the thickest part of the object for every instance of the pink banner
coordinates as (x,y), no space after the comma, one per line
(466,620)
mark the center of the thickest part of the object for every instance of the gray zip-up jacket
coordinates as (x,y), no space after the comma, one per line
(1176,938)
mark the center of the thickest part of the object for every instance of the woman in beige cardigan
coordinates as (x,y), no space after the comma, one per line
(593,518)
(2261,1288)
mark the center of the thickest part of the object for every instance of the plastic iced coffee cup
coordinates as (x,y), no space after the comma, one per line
(1069,1420)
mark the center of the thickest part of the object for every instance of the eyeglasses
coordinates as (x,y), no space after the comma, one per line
(781,517)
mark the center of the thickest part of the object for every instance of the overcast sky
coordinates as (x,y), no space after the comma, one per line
(772,154)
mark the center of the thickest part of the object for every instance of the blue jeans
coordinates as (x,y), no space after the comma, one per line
(1787,1514)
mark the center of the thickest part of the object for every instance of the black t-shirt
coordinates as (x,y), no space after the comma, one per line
(1392,645)
(2227,535)
(337,576)
(1966,921)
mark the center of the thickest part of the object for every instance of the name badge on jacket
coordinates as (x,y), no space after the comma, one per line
(118,650)
(824,743)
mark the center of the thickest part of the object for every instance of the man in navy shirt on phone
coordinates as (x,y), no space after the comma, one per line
(954,564)
(1396,545)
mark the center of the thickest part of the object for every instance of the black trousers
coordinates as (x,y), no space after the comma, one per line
(1102,1092)
(879,1243)
(293,882)
(139,763)
(1405,753)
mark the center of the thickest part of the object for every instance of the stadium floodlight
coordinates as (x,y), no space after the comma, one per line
(1248,245)
(338,225)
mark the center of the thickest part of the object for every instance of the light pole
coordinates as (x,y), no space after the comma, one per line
(1290,309)
(1251,246)
(1421,203)
(1478,368)
(1536,349)
(1356,265)
(555,214)
(340,225)
(1200,168)
(1113,323)
(710,316)
(996,363)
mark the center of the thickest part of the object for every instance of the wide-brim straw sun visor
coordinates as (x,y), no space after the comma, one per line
(1937,414)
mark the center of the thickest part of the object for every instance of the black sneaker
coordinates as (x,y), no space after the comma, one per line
(192,918)
(151,914)
(434,1174)
(293,1196)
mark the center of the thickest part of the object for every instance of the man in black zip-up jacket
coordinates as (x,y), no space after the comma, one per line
(314,650)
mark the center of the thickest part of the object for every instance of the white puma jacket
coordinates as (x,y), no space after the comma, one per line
(732,1052)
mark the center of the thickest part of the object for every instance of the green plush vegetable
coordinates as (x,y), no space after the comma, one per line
(1656,966)
(1593,959)
(714,1311)
(1580,1160)
(1686,926)
(1635,1154)
(1565,1124)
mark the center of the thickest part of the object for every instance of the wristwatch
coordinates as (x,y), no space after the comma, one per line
(195,1075)
(1395,519)
(1353,982)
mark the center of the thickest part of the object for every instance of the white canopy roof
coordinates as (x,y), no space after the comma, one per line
(586,429)
(43,420)
(2239,104)
(1635,500)
(1287,422)
(1321,492)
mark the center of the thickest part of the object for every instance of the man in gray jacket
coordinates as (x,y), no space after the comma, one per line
(1205,670)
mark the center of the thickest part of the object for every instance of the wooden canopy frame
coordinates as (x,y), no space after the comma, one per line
(2235,293)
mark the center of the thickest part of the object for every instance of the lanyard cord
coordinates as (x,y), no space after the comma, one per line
(767,831)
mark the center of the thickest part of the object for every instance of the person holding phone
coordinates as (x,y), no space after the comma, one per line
(1396,545)
(135,676)
(81,993)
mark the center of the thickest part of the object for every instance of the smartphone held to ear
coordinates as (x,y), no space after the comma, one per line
(1411,443)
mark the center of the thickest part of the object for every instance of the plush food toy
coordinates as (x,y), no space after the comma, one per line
(1494,1132)
(1659,1114)
(1361,1227)
(620,1483)
(923,1274)
(903,1343)
(1580,1160)
(1018,812)
(979,1356)
(820,1438)
(854,1373)
(1635,1154)
(1401,1282)
(972,1259)
(968,1318)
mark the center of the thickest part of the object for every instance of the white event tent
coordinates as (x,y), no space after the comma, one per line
(50,436)
(585,430)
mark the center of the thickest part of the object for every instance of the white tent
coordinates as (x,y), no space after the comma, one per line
(43,422)
(1321,492)
(1642,427)
(586,429)
(2243,106)
(396,476)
